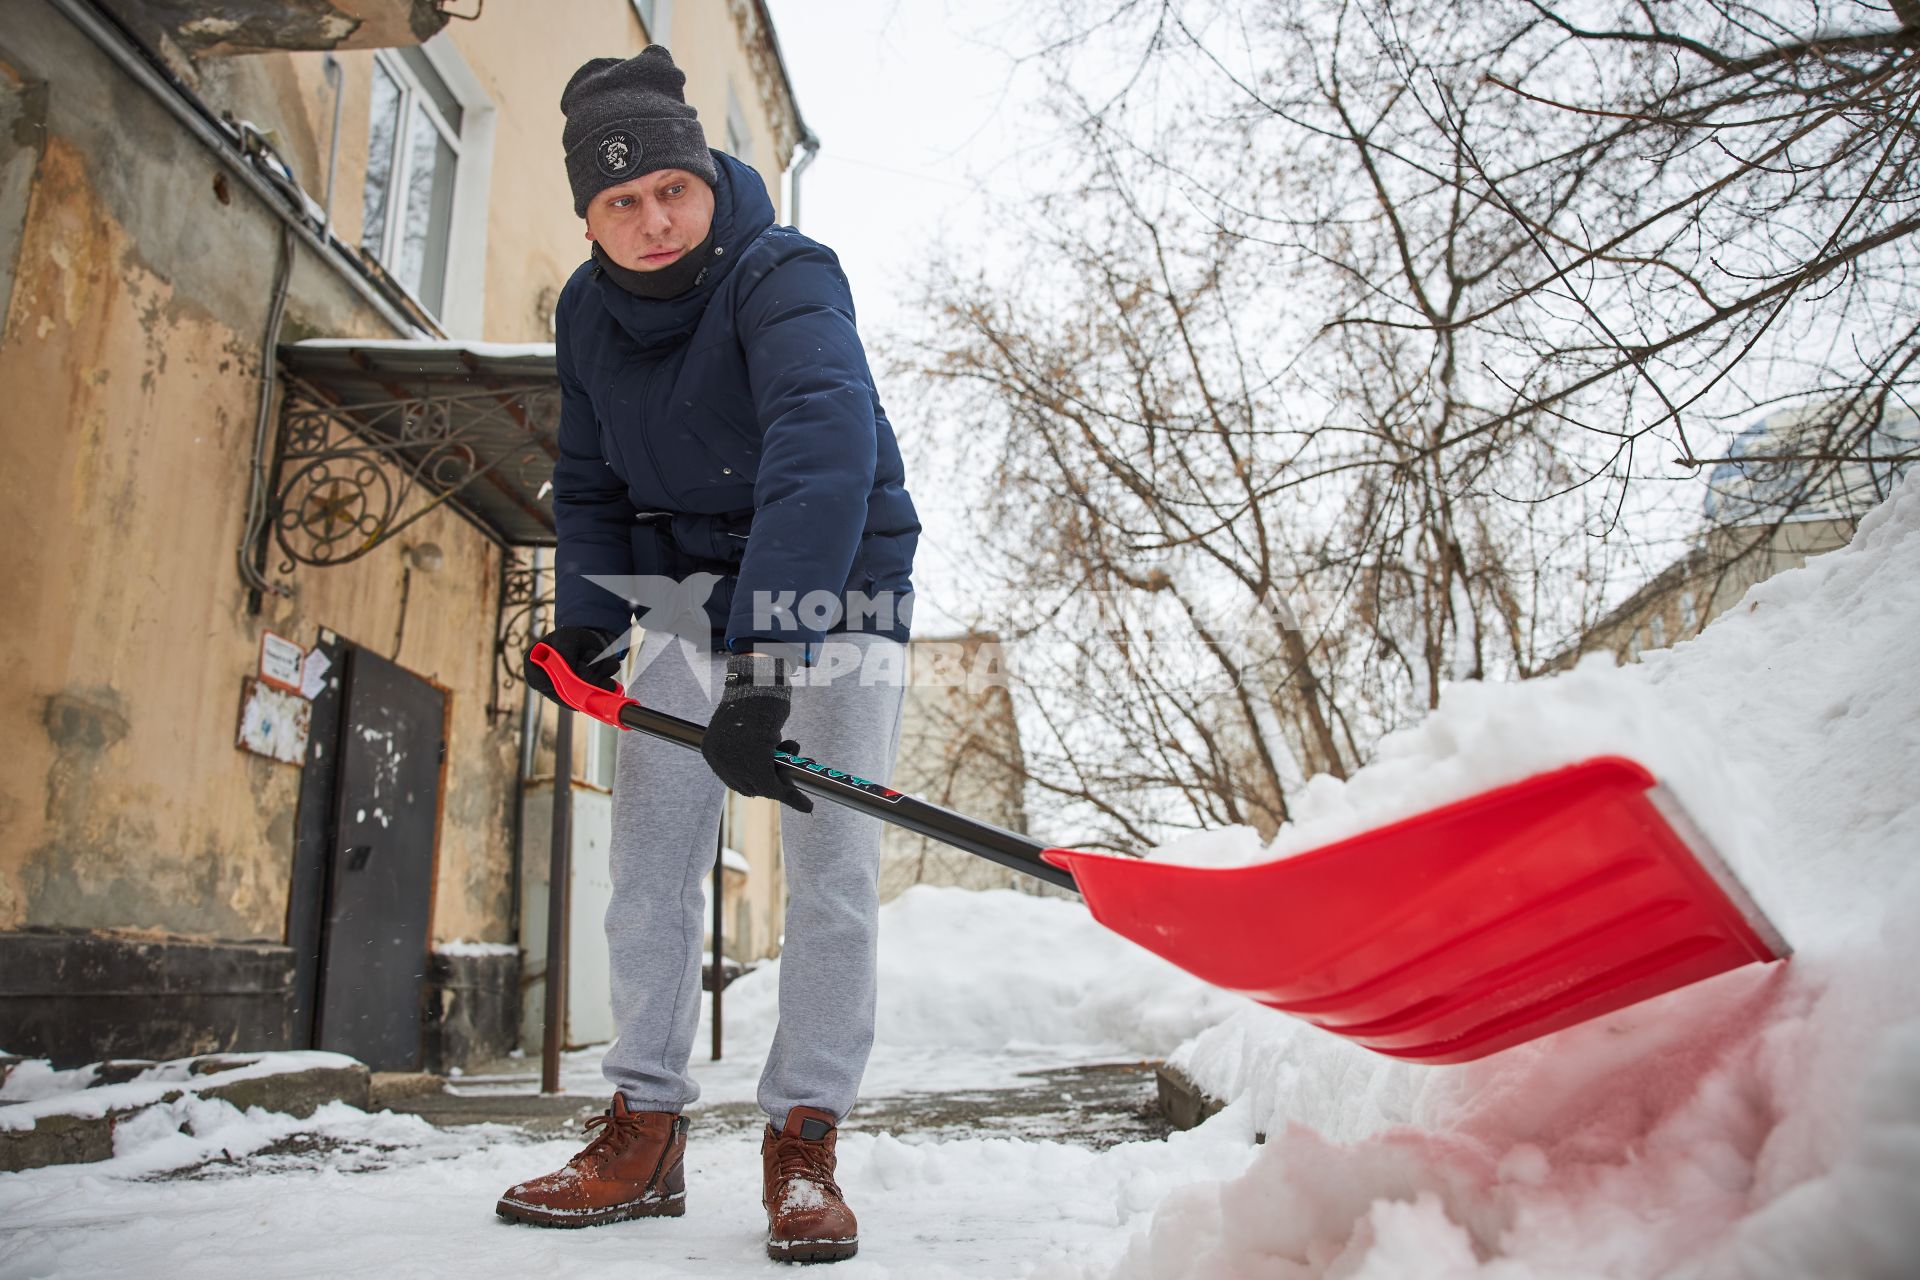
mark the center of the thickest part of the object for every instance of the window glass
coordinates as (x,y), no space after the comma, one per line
(428,213)
(382,153)
(413,154)
(435,87)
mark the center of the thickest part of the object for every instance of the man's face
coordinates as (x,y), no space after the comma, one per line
(652,221)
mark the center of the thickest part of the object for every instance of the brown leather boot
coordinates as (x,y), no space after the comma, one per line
(807,1220)
(631,1169)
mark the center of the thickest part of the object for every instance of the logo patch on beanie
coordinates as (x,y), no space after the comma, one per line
(618,153)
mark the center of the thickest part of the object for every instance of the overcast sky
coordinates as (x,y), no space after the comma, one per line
(913,102)
(918,104)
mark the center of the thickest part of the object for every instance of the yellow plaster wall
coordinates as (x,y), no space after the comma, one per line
(130,408)
(122,405)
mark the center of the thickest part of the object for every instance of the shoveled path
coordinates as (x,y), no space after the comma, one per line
(1094,1105)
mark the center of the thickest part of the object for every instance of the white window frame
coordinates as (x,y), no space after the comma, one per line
(462,306)
(603,745)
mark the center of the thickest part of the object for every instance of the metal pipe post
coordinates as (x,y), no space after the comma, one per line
(719,892)
(559,887)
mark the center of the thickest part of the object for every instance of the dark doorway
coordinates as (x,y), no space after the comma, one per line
(363,892)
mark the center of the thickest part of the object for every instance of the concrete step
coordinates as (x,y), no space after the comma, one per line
(82,1131)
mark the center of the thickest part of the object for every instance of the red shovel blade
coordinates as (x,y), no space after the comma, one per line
(1461,931)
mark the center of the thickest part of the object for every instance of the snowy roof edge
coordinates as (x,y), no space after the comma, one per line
(496,350)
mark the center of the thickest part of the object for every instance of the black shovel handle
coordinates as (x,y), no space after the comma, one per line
(982,839)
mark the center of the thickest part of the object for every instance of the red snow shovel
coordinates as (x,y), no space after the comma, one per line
(1440,938)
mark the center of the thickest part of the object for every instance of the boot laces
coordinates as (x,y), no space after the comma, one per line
(796,1158)
(615,1133)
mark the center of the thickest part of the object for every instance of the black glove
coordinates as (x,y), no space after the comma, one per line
(581,647)
(745,730)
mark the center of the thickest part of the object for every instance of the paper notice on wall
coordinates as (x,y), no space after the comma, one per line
(313,674)
(280,662)
(274,723)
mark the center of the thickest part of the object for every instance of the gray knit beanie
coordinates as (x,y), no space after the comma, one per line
(626,118)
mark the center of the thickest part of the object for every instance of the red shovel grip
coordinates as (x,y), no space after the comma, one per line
(587,699)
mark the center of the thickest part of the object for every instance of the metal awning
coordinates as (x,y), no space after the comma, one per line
(375,434)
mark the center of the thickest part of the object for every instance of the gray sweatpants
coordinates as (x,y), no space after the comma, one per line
(666,821)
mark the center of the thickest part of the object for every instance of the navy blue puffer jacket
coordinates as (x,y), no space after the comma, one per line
(733,431)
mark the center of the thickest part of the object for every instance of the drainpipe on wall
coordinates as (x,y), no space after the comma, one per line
(559,902)
(337,77)
(811,143)
(530,704)
(251,554)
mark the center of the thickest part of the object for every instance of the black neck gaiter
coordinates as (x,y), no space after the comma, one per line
(669,281)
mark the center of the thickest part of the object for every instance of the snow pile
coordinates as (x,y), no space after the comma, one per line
(401,346)
(464,948)
(975,970)
(998,970)
(1763,1124)
(1488,735)
(34,1090)
(190,1130)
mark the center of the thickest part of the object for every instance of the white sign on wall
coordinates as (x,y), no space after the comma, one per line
(280,660)
(313,673)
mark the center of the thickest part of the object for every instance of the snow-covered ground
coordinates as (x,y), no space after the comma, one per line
(977,988)
(1764,1124)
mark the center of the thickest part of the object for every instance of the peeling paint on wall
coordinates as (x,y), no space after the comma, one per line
(205,28)
(23,121)
(96,864)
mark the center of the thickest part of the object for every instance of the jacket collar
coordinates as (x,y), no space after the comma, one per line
(741,211)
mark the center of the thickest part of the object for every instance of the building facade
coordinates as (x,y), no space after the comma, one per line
(959,748)
(278,288)
(1780,498)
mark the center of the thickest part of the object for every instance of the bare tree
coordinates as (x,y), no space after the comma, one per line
(1342,360)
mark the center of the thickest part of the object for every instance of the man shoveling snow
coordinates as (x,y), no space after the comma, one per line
(719,423)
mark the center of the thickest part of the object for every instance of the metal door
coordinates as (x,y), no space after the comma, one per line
(373,957)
